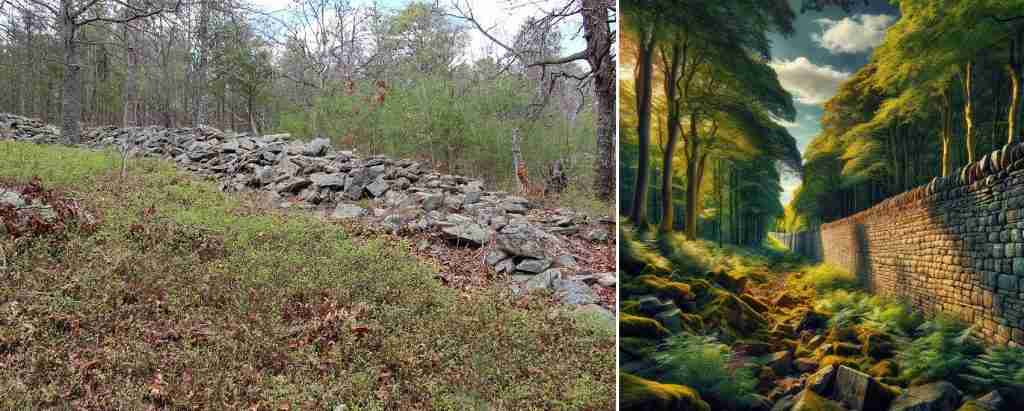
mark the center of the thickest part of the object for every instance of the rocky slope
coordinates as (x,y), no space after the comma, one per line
(535,246)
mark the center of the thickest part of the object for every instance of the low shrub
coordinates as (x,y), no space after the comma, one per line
(999,366)
(943,351)
(706,365)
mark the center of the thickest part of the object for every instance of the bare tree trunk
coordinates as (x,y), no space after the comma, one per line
(599,55)
(71,97)
(202,94)
(250,103)
(131,104)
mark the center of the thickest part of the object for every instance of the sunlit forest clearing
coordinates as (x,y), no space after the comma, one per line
(307,204)
(719,315)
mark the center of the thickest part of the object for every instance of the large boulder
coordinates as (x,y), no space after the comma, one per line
(641,394)
(859,391)
(937,396)
(810,401)
(542,281)
(781,362)
(467,231)
(521,240)
(823,380)
(345,211)
(530,265)
(332,180)
(356,182)
(573,292)
(316,148)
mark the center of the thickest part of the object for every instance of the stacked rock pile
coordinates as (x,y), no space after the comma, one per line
(401,196)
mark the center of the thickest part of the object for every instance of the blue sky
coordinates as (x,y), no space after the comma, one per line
(825,49)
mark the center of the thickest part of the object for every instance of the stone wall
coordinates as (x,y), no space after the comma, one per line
(954,246)
(805,243)
(539,248)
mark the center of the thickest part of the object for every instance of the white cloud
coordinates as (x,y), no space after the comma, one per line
(809,83)
(859,34)
(789,186)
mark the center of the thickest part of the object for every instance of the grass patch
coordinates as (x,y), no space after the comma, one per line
(827,277)
(186,297)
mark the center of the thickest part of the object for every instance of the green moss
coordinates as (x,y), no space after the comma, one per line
(809,401)
(838,360)
(630,307)
(641,394)
(678,292)
(732,315)
(973,406)
(641,327)
(845,349)
(637,256)
(755,303)
(731,281)
(883,369)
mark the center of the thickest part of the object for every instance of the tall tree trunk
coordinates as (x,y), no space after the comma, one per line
(693,156)
(71,97)
(1011,119)
(130,110)
(250,104)
(599,55)
(968,111)
(202,94)
(671,60)
(947,123)
(645,67)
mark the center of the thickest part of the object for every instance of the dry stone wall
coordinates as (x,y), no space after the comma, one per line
(954,246)
(535,247)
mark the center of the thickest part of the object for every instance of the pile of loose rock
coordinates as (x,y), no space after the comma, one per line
(401,196)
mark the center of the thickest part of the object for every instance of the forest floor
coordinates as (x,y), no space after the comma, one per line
(705,327)
(154,289)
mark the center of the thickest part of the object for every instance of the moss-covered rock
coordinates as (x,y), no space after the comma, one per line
(641,394)
(730,281)
(843,334)
(809,401)
(883,369)
(700,287)
(732,316)
(640,327)
(845,349)
(973,405)
(837,360)
(753,347)
(786,299)
(663,287)
(755,303)
(877,345)
(630,307)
